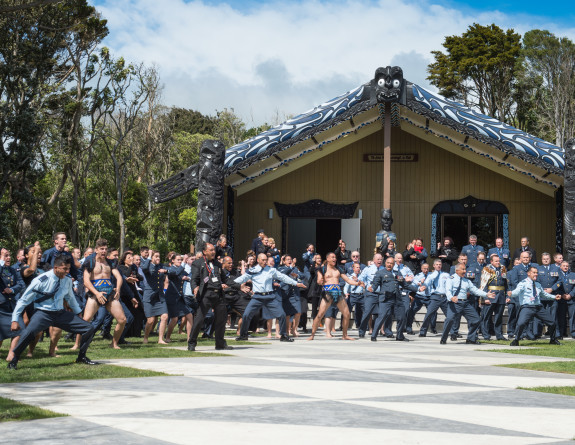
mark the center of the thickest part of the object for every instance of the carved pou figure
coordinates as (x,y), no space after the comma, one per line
(388,85)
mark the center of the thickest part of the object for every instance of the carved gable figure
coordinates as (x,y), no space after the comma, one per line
(388,85)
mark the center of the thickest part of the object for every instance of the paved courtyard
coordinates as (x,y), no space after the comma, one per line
(309,392)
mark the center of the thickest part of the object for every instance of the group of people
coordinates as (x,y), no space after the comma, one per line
(43,293)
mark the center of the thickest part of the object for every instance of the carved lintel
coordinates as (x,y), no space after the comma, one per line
(316,208)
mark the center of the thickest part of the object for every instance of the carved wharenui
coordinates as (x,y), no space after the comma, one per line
(387,101)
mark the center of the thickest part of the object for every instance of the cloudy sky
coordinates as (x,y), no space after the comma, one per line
(269,59)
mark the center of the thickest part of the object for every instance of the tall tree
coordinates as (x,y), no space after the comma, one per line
(550,61)
(478,68)
(122,102)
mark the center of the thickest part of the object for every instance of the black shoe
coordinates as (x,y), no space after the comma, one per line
(442,342)
(13,365)
(502,339)
(554,342)
(286,338)
(510,336)
(459,335)
(472,342)
(453,337)
(124,342)
(191,348)
(204,335)
(487,338)
(225,348)
(107,336)
(515,342)
(434,331)
(361,335)
(423,335)
(402,339)
(85,360)
(390,335)
(373,338)
(560,337)
(409,332)
(242,338)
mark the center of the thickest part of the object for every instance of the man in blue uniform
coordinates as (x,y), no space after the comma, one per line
(11,284)
(517,274)
(472,249)
(456,290)
(525,247)
(568,279)
(498,284)
(548,277)
(503,254)
(435,283)
(529,294)
(355,259)
(47,260)
(48,292)
(264,294)
(354,295)
(371,299)
(388,284)
(420,299)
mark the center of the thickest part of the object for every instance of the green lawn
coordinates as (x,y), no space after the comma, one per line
(543,348)
(561,367)
(538,347)
(562,390)
(11,411)
(44,368)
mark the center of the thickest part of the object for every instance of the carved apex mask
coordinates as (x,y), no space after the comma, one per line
(388,85)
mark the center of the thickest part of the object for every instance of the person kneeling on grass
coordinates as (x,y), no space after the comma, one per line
(48,292)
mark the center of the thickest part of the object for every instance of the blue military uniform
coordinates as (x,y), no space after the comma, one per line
(498,284)
(48,257)
(407,275)
(48,293)
(504,256)
(568,283)
(421,298)
(514,277)
(389,284)
(471,251)
(371,299)
(548,277)
(435,282)
(264,295)
(290,295)
(355,300)
(529,294)
(12,280)
(458,287)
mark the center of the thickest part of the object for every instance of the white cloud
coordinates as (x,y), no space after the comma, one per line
(283,57)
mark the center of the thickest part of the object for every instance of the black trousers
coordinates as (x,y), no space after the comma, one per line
(214,301)
(65,320)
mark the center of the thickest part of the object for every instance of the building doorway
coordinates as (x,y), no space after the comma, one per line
(323,233)
(460,227)
(469,216)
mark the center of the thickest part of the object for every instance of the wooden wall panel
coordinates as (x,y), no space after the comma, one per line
(343,177)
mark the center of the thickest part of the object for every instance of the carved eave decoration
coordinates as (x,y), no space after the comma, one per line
(486,152)
(351,126)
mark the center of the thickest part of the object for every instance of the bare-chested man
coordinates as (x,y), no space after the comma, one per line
(98,273)
(328,276)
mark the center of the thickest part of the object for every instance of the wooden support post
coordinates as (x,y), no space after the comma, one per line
(387,158)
